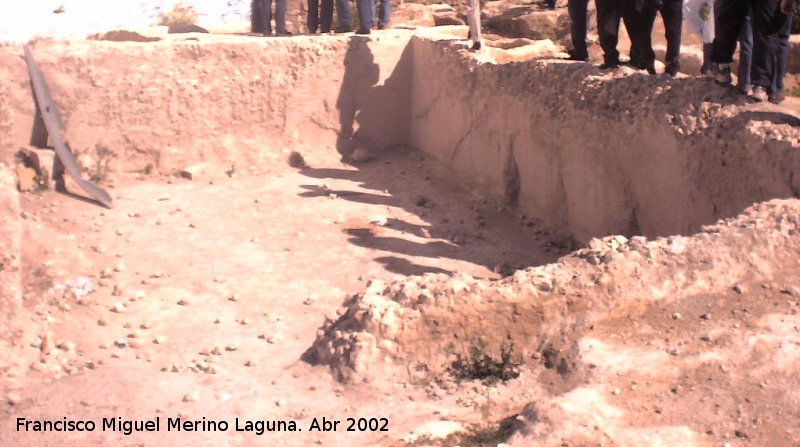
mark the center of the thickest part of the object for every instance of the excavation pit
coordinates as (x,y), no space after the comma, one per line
(434,211)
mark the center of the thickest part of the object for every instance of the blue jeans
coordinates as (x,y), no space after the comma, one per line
(344,15)
(280,16)
(366,13)
(385,13)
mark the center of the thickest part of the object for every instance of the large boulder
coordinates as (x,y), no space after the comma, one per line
(412,15)
(444,14)
(532,23)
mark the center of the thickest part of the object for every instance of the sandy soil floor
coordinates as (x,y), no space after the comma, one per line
(208,294)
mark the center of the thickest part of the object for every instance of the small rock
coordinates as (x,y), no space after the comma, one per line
(164,197)
(615,391)
(738,289)
(192,397)
(159,340)
(118,308)
(706,316)
(26,178)
(13,398)
(251,363)
(183,302)
(231,347)
(677,316)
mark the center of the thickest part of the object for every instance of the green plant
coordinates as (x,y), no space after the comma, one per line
(476,363)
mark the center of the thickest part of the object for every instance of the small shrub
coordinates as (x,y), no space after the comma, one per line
(180,14)
(477,364)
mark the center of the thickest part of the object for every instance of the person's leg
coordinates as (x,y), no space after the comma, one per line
(474,18)
(280,17)
(672,15)
(366,12)
(639,24)
(345,17)
(386,14)
(326,16)
(266,13)
(745,53)
(781,61)
(707,49)
(577,14)
(771,29)
(608,17)
(729,17)
(312,18)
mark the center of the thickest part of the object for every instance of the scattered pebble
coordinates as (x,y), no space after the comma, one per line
(183,302)
(192,397)
(118,308)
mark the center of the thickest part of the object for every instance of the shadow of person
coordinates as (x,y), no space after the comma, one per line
(361,75)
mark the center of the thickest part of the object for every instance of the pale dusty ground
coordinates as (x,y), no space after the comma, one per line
(283,246)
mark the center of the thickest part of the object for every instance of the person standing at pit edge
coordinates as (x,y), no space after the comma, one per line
(609,14)
(577,16)
(474,17)
(672,15)
(280,17)
(319,16)
(384,14)
(771,22)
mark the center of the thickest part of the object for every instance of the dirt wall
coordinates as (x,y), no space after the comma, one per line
(589,153)
(597,153)
(242,101)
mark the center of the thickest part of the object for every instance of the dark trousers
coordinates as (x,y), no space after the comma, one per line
(609,13)
(280,16)
(320,17)
(672,15)
(577,16)
(771,28)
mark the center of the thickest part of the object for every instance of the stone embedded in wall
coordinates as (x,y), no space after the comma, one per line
(530,22)
(412,15)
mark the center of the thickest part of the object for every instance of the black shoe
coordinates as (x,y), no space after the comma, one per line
(609,65)
(343,29)
(651,68)
(672,69)
(476,46)
(574,56)
(363,30)
(777,99)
